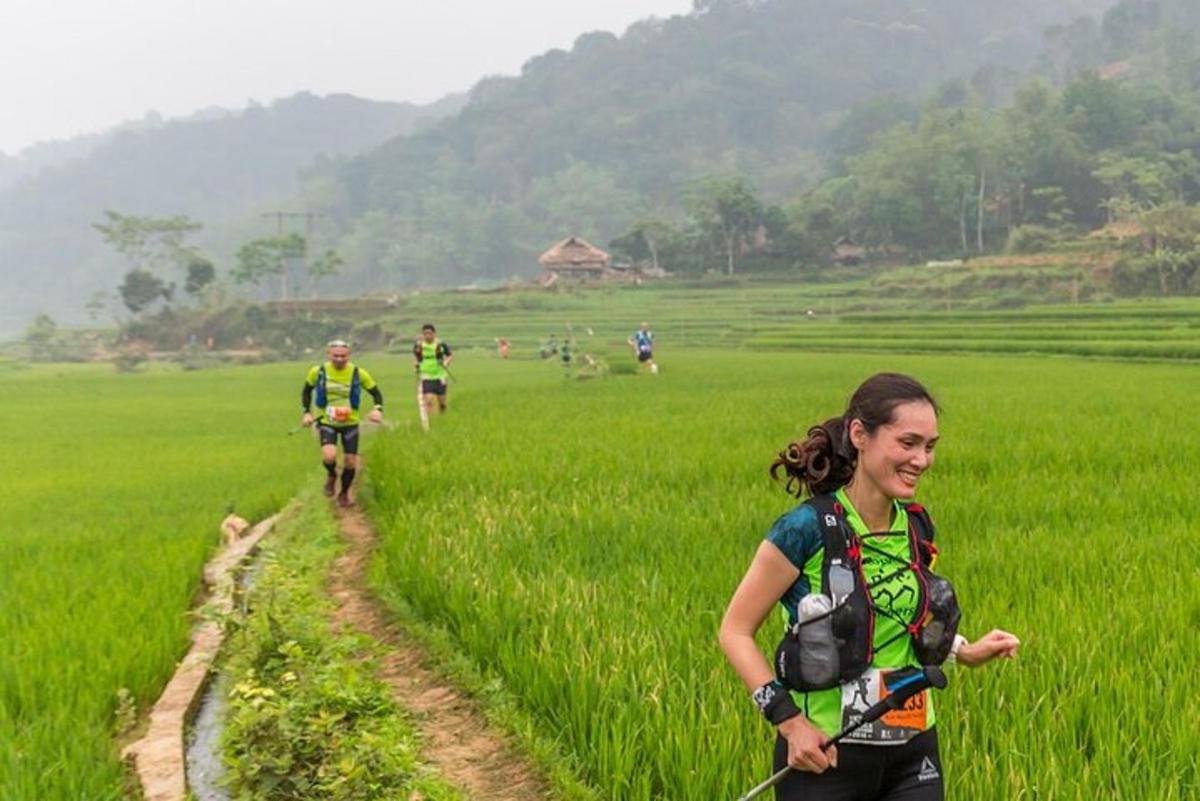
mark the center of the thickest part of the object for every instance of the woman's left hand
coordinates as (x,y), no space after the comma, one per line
(995,643)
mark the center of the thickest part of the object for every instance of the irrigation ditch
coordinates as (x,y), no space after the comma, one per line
(180,755)
(180,749)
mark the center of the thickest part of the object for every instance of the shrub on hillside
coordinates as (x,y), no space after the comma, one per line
(1030,239)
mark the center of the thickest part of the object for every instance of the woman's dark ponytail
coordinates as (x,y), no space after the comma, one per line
(824,460)
(820,463)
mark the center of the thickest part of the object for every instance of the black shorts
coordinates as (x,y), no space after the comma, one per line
(909,772)
(349,434)
(645,355)
(433,386)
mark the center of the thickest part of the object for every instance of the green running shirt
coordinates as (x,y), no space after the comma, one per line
(798,535)
(337,411)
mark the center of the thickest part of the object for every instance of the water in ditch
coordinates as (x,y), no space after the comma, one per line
(205,771)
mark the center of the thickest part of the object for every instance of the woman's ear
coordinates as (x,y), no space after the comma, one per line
(858,434)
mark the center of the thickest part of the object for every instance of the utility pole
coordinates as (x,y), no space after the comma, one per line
(309,217)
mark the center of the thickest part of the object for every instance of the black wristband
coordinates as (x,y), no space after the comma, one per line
(775,702)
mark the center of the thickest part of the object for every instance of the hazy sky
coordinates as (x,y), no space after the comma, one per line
(75,66)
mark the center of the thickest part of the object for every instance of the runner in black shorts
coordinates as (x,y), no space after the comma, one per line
(337,387)
(431,357)
(642,342)
(861,469)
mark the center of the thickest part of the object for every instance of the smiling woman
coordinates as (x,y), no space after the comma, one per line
(852,568)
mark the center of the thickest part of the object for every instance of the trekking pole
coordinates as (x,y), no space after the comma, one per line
(904,689)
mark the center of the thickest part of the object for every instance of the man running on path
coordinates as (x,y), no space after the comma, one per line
(431,358)
(642,342)
(338,385)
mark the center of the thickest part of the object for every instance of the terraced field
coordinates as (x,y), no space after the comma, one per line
(781,316)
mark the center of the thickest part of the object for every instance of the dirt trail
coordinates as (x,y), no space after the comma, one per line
(459,742)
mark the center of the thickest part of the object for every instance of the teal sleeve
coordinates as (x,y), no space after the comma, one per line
(797,535)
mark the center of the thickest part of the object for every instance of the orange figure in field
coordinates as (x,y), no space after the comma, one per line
(502,347)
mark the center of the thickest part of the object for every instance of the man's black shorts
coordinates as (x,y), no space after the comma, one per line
(433,386)
(349,434)
(645,355)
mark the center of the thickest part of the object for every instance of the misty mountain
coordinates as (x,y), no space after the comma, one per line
(215,167)
(55,153)
(585,141)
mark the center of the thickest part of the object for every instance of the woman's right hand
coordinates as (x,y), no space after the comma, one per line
(804,746)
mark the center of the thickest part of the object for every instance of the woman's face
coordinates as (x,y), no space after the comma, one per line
(898,453)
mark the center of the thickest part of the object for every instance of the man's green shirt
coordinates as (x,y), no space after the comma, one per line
(337,411)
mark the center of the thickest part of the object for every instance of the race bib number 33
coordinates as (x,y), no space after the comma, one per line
(896,726)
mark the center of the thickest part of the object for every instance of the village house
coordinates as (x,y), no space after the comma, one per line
(574,259)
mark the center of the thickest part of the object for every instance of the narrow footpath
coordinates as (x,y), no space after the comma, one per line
(459,741)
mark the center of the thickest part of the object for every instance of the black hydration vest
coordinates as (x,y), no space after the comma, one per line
(852,618)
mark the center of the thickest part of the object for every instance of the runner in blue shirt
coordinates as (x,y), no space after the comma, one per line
(642,342)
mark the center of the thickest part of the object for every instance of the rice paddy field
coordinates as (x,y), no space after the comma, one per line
(775,315)
(111,499)
(578,539)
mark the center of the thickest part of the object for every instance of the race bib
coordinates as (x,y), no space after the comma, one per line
(338,414)
(897,726)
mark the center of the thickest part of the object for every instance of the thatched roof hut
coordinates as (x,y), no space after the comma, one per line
(847,252)
(575,257)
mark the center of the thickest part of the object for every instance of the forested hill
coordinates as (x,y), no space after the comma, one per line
(58,152)
(585,141)
(215,168)
(212,166)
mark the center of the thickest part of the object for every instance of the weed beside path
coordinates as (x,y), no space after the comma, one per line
(309,720)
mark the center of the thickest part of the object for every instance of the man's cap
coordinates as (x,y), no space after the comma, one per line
(337,343)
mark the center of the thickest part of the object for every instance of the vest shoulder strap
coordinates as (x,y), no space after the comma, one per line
(921,524)
(321,387)
(838,539)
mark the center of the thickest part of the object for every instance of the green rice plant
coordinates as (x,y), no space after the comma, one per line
(581,539)
(116,484)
